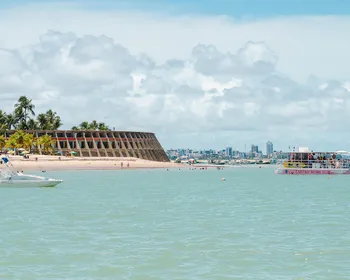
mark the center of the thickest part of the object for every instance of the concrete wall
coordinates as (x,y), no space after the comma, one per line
(143,145)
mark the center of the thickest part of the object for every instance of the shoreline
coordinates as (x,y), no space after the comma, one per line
(53,163)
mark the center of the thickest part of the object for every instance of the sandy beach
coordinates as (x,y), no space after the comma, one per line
(53,163)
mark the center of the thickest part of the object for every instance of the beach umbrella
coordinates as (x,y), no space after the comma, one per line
(21,149)
(73,153)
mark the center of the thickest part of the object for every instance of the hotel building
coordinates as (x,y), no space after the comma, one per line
(143,145)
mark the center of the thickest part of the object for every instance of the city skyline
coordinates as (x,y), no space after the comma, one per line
(227,153)
(210,75)
(229,150)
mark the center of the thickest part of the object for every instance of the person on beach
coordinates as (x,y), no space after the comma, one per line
(128,165)
(121,165)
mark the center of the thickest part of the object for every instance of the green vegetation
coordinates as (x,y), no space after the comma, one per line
(24,118)
(46,143)
(94,125)
(26,142)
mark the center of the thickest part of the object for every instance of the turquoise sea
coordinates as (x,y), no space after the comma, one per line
(177,224)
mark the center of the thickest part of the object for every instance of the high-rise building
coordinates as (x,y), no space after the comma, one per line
(254,149)
(269,148)
(228,151)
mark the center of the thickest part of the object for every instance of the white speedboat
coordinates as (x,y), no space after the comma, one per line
(13,179)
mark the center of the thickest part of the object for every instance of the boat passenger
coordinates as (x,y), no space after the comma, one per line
(331,163)
(311,158)
(324,163)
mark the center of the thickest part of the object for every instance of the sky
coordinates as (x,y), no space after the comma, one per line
(199,74)
(232,8)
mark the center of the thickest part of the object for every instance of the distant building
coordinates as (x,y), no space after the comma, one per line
(228,152)
(269,148)
(254,149)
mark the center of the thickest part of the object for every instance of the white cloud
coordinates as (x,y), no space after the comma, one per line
(204,81)
(304,44)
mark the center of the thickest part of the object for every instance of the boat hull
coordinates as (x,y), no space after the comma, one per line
(311,171)
(29,183)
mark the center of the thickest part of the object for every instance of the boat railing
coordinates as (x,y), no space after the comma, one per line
(318,163)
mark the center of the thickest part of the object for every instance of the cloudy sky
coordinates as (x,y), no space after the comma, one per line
(200,74)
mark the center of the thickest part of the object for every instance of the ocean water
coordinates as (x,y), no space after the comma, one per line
(177,224)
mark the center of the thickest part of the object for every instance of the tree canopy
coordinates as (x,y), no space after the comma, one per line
(27,142)
(24,117)
(94,125)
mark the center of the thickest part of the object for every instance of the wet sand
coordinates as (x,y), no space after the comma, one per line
(52,163)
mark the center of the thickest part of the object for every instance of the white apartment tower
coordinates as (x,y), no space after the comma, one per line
(269,148)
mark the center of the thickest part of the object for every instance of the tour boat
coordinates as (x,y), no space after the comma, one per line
(13,179)
(304,162)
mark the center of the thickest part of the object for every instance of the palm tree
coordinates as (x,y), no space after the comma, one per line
(46,143)
(28,141)
(53,120)
(32,124)
(57,123)
(23,109)
(19,137)
(93,125)
(2,142)
(84,126)
(7,121)
(42,121)
(49,121)
(2,116)
(102,126)
(11,121)
(3,121)
(11,143)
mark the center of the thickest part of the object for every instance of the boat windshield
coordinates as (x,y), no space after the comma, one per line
(5,173)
